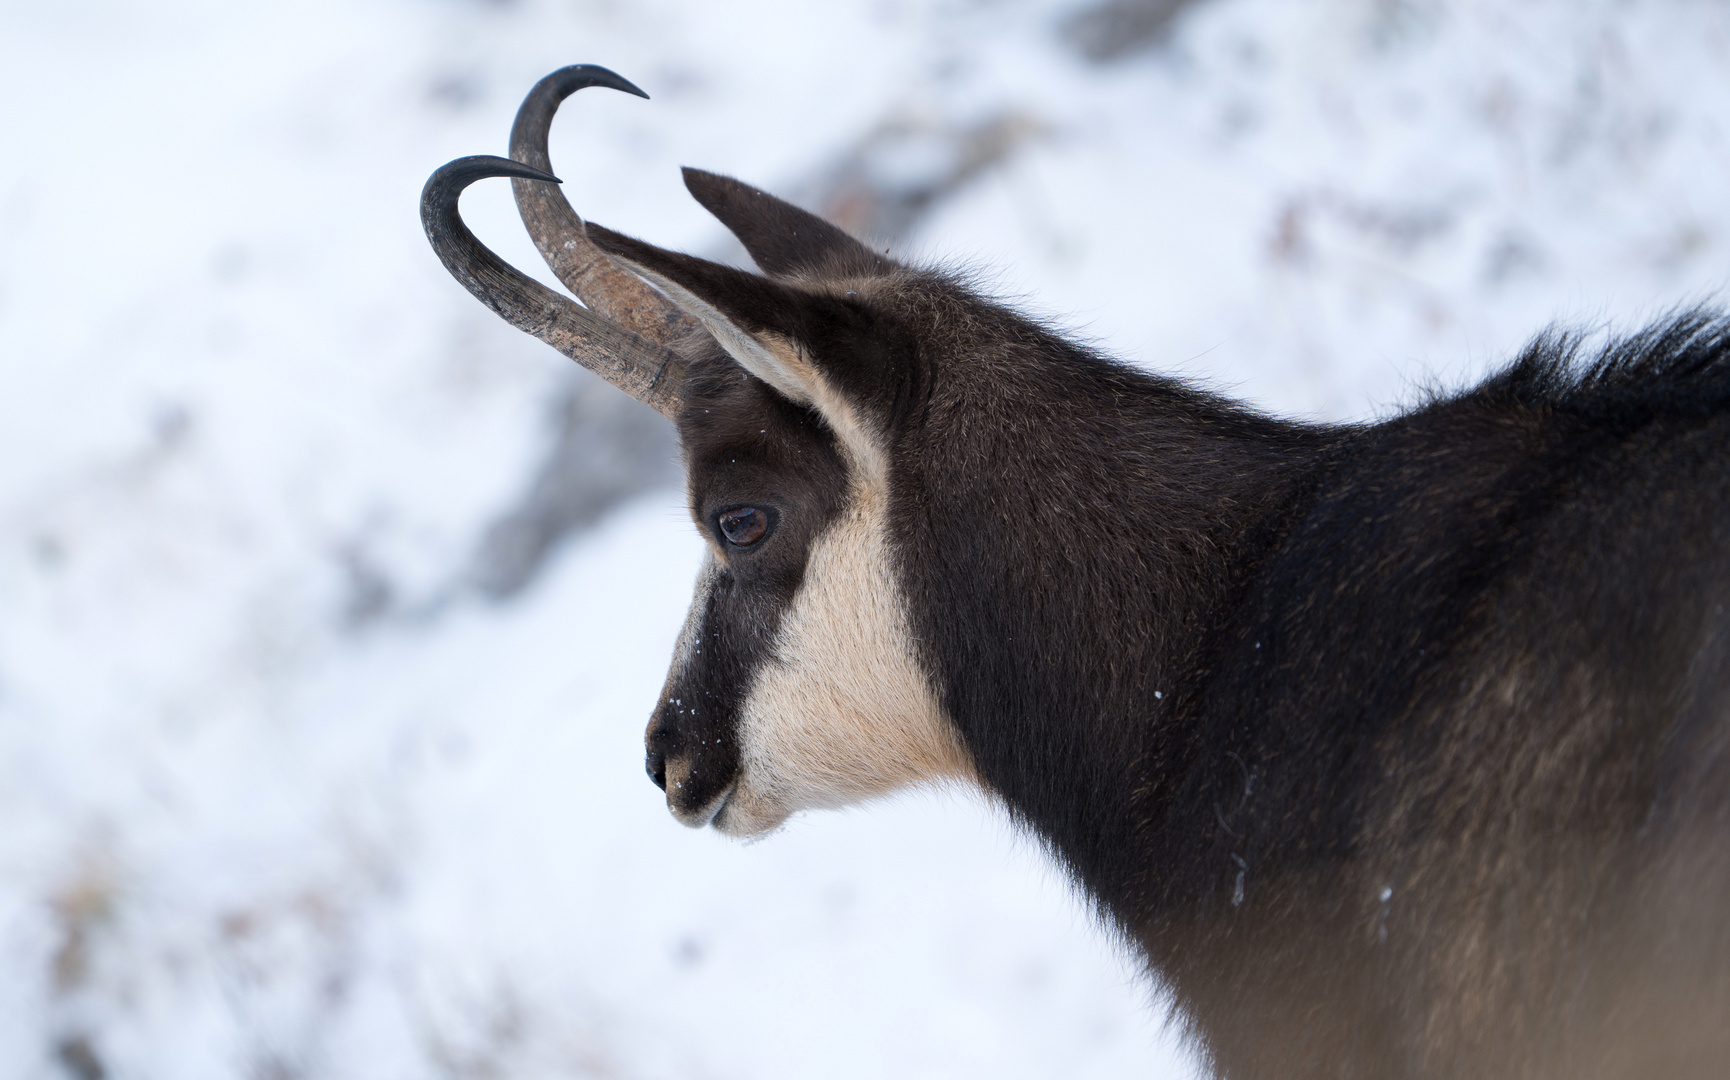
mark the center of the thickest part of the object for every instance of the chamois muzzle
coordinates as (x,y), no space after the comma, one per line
(624,333)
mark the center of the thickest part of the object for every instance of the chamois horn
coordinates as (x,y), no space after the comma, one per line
(596,279)
(642,366)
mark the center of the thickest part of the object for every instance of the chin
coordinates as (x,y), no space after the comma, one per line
(744,815)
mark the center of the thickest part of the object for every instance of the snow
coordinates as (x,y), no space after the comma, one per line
(281,798)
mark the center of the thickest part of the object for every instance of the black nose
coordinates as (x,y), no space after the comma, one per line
(658,742)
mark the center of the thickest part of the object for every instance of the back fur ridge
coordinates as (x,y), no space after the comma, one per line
(1679,364)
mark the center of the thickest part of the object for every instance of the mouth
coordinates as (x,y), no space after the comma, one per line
(700,816)
(744,815)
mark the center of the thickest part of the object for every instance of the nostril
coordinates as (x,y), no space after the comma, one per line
(657,768)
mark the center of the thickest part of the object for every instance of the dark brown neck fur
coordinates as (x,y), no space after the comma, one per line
(1358,732)
(1069,545)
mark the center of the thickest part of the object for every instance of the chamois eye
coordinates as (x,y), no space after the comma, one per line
(744,525)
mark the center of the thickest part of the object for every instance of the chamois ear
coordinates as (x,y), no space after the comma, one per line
(761,323)
(782,238)
(769,327)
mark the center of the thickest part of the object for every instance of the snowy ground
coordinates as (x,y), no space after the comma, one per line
(281,796)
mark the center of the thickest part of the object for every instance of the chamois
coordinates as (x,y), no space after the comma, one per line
(1398,749)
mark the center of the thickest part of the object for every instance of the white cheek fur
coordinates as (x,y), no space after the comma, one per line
(843,711)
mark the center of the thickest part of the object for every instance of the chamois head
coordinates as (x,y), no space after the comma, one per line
(796,683)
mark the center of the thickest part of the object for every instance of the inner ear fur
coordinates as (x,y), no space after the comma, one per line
(782,334)
(755,303)
(783,239)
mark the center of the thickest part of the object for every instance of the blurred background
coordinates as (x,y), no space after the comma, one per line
(331,608)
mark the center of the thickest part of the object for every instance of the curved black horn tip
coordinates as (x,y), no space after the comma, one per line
(568,80)
(449,179)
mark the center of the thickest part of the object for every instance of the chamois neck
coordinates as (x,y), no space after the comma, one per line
(1072,546)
